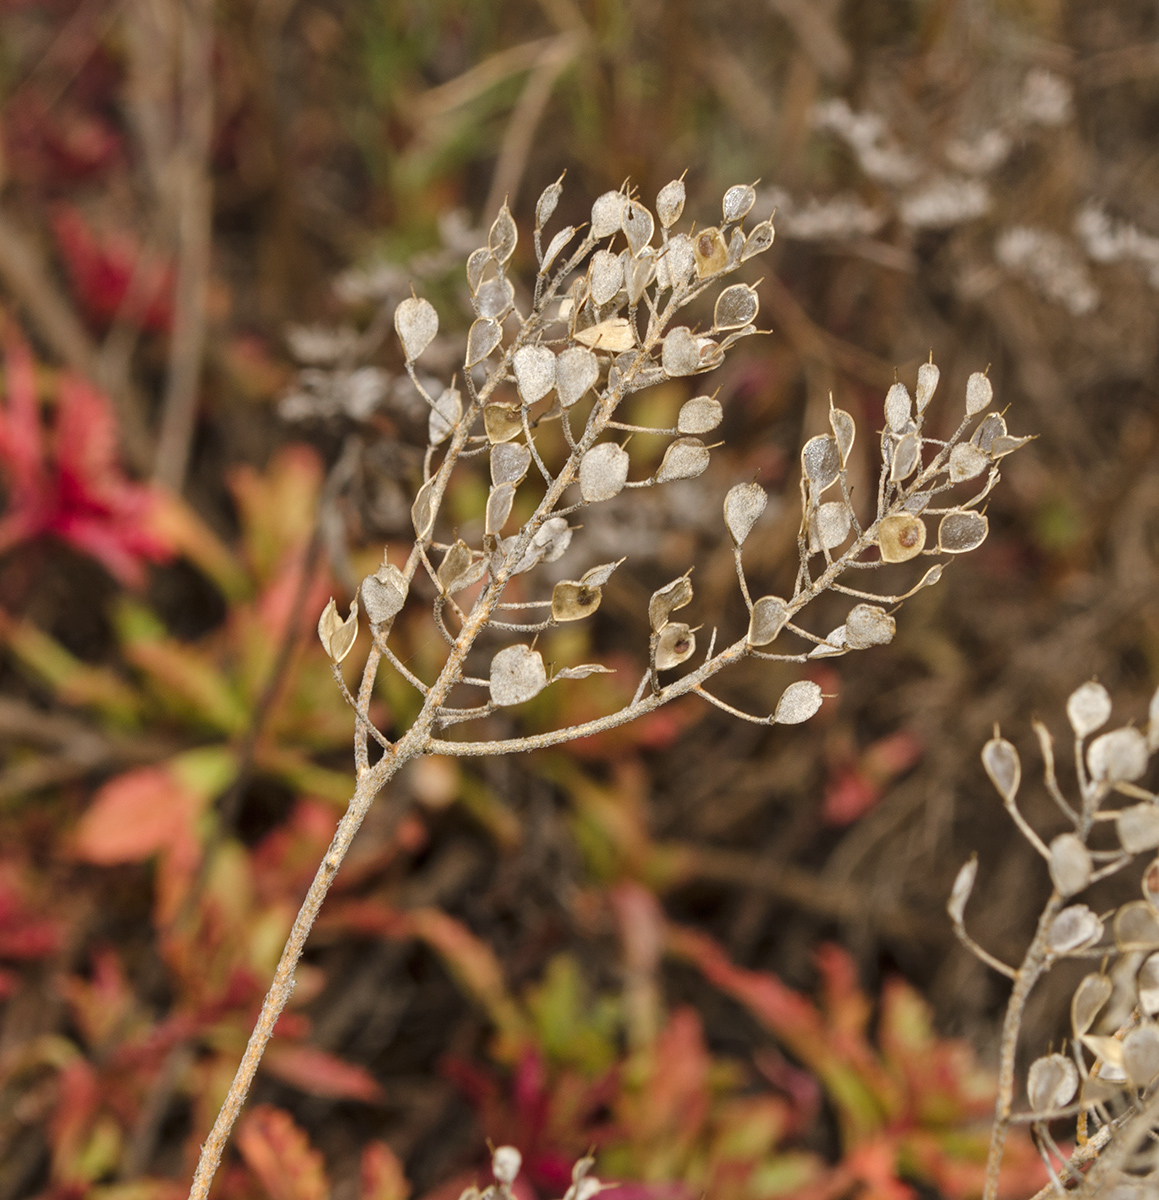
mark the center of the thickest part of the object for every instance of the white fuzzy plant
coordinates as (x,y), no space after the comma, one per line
(1108,1083)
(599,325)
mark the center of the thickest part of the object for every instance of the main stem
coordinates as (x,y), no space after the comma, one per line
(368,787)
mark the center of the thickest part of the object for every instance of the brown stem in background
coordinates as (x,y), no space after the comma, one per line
(194,235)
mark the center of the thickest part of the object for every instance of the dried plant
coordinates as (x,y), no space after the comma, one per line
(1110,1080)
(543,381)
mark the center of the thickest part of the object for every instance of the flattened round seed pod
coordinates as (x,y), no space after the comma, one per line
(735,246)
(742,507)
(502,422)
(738,202)
(701,414)
(337,636)
(599,575)
(979,394)
(614,335)
(666,600)
(534,372)
(556,244)
(770,615)
(517,674)
(1070,864)
(606,214)
(503,236)
(1088,708)
(495,298)
(681,355)
(603,472)
(637,224)
(677,262)
(638,274)
(833,646)
(499,502)
(607,276)
(1074,928)
(444,416)
(1141,1054)
(676,644)
(1109,1051)
(424,510)
(844,432)
(553,538)
(505,1164)
(1003,766)
(1051,1083)
(509,462)
(383,594)
(460,568)
(584,670)
(1000,447)
(907,454)
(710,251)
(477,262)
(962,531)
(798,702)
(1136,927)
(482,338)
(576,370)
(1147,985)
(869,625)
(992,425)
(1088,1000)
(928,376)
(548,199)
(685,458)
(1150,884)
(1117,757)
(820,462)
(900,537)
(758,241)
(670,203)
(572,601)
(830,526)
(416,323)
(960,893)
(898,409)
(967,462)
(1138,827)
(736,307)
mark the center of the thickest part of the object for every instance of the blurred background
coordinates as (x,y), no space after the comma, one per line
(714,952)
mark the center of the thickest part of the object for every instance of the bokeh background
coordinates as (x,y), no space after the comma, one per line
(714,952)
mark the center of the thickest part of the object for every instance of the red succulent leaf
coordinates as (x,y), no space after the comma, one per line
(320,1074)
(381,1176)
(279,1153)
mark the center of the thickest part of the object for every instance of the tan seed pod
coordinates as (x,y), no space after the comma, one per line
(676,263)
(499,502)
(576,371)
(637,224)
(1141,1054)
(583,671)
(605,276)
(928,376)
(1138,827)
(502,422)
(336,635)
(900,537)
(614,335)
(758,241)
(711,252)
(701,414)
(424,510)
(599,575)
(477,263)
(738,202)
(503,236)
(1001,446)
(960,893)
(548,199)
(460,568)
(991,426)
(675,644)
(1136,927)
(1150,884)
(416,323)
(1088,708)
(769,616)
(603,472)
(556,244)
(638,274)
(798,702)
(666,600)
(898,410)
(869,625)
(383,594)
(1075,928)
(534,368)
(967,462)
(907,455)
(606,213)
(821,462)
(1087,1002)
(482,338)
(1118,757)
(736,307)
(495,298)
(1004,767)
(1051,1083)
(830,526)
(509,462)
(685,458)
(962,532)
(979,394)
(1070,864)
(670,203)
(844,432)
(517,674)
(572,601)
(680,355)
(444,416)
(742,507)
(1147,985)
(505,1164)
